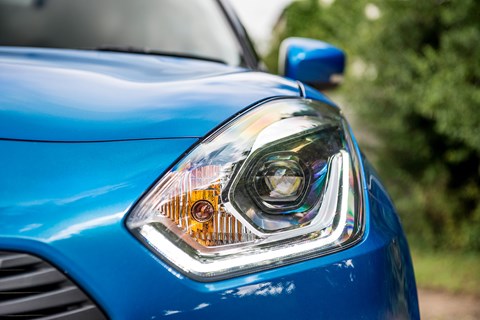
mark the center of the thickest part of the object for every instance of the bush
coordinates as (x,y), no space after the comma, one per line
(414,80)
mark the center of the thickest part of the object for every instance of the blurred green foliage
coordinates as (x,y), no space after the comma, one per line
(413,79)
(447,270)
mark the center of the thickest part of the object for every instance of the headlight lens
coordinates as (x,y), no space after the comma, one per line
(276,185)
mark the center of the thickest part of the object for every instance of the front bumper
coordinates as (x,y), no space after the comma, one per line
(67,204)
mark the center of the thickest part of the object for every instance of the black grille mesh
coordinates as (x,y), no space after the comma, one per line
(30,288)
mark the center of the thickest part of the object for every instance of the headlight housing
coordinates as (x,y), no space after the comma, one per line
(278,184)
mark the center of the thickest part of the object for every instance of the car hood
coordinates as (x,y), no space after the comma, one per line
(77,95)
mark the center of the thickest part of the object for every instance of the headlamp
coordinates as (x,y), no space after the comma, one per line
(278,184)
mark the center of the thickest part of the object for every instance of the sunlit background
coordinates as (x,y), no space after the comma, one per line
(259,18)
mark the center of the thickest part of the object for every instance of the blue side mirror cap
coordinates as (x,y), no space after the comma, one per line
(313,62)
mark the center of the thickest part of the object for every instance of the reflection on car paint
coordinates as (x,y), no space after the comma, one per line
(262,289)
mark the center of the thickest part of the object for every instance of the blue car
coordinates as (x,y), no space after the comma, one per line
(150,168)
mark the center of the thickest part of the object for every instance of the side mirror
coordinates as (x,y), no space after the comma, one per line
(313,62)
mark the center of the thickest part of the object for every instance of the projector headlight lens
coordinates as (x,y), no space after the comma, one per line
(279,179)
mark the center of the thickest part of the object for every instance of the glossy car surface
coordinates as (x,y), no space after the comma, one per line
(84,134)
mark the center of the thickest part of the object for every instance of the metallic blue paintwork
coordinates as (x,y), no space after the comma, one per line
(75,95)
(310,93)
(311,61)
(67,202)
